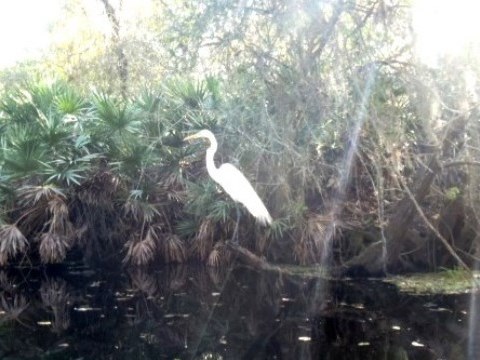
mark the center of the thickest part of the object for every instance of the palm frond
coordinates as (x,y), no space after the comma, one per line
(186,227)
(193,94)
(32,195)
(53,248)
(141,253)
(148,101)
(203,242)
(23,152)
(53,130)
(67,169)
(69,103)
(172,249)
(138,208)
(99,189)
(12,242)
(59,222)
(219,255)
(116,117)
(18,106)
(3,259)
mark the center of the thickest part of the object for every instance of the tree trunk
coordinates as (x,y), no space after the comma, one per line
(122,62)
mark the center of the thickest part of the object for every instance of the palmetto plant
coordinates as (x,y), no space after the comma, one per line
(107,175)
(42,151)
(38,133)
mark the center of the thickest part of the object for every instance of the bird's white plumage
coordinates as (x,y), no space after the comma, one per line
(233,182)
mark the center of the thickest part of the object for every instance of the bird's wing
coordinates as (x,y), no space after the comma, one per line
(239,188)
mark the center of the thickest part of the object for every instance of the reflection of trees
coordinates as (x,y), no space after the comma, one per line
(13,302)
(6,283)
(55,296)
(217,275)
(14,313)
(204,313)
(12,307)
(149,315)
(237,308)
(143,281)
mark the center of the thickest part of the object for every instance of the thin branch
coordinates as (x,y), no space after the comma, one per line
(435,231)
(461,163)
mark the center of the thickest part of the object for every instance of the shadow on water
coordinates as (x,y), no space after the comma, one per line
(189,312)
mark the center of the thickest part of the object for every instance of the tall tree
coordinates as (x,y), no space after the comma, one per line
(122,63)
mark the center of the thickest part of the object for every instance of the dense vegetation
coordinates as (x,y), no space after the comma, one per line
(363,155)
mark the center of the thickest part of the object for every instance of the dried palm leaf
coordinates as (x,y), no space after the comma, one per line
(203,243)
(312,243)
(262,242)
(178,196)
(172,249)
(53,248)
(219,256)
(59,222)
(214,258)
(32,195)
(132,209)
(316,229)
(58,207)
(3,259)
(98,189)
(141,252)
(300,248)
(12,242)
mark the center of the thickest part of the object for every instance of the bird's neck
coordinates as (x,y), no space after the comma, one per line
(211,168)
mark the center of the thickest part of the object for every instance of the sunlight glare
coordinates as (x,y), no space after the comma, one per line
(24,28)
(445,28)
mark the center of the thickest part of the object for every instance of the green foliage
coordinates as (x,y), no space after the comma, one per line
(106,156)
(115,117)
(452,193)
(445,281)
(68,102)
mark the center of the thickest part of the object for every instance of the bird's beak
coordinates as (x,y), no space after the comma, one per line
(190,137)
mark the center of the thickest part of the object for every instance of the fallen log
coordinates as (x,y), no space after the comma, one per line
(249,258)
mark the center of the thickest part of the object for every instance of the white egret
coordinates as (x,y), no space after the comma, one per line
(233,182)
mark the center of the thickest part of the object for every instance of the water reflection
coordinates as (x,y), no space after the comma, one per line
(56,300)
(204,313)
(474,319)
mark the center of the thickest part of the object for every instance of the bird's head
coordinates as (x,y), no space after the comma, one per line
(207,134)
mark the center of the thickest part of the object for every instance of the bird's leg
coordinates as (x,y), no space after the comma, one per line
(235,232)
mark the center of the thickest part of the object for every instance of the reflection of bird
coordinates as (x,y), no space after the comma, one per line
(233,181)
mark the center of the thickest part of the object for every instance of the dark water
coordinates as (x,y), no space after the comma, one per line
(200,313)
